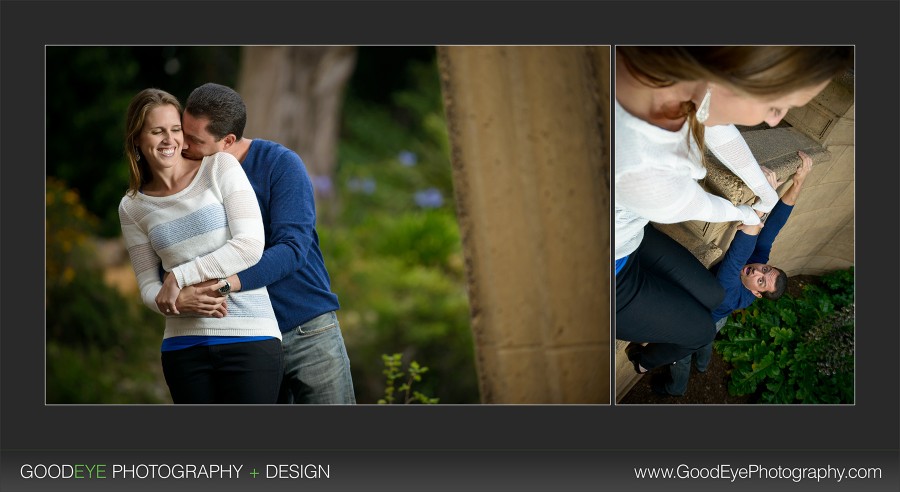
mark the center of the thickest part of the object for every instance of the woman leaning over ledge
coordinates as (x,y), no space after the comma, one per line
(671,103)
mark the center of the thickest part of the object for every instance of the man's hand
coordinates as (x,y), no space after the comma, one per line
(803,169)
(203,299)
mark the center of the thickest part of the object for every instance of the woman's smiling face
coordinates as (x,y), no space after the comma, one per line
(161,138)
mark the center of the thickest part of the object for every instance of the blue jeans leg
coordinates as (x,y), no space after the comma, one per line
(704,355)
(681,373)
(316,366)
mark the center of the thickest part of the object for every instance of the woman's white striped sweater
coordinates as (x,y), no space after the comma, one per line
(211,229)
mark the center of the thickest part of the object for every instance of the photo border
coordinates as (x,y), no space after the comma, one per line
(581,444)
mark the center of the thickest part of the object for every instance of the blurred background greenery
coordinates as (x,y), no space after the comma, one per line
(387,220)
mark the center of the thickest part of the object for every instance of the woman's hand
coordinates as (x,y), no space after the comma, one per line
(751,216)
(772,177)
(750,230)
(167,296)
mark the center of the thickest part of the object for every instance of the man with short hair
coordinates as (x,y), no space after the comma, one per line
(745,276)
(317,368)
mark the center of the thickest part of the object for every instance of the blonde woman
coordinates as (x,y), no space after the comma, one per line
(197,220)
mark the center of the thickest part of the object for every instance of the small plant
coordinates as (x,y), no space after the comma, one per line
(393,365)
(795,350)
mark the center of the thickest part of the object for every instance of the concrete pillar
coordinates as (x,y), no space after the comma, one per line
(529,131)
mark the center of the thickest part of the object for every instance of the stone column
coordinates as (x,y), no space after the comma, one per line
(820,235)
(529,133)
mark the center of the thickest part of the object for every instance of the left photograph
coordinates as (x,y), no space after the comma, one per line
(327,225)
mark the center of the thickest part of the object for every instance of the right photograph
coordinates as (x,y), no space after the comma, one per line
(734,225)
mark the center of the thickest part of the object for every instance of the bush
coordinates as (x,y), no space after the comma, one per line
(101,346)
(394,255)
(795,350)
(417,310)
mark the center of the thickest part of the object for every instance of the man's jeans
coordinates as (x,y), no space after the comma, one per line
(316,366)
(681,370)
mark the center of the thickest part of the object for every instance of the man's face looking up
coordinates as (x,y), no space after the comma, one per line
(759,278)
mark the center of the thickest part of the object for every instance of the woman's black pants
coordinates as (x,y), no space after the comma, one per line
(245,372)
(665,296)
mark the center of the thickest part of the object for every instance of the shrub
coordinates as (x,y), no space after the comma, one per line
(101,346)
(795,350)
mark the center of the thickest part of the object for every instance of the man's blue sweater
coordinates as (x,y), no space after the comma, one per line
(292,267)
(746,249)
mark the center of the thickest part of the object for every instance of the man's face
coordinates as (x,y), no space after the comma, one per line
(198,143)
(759,278)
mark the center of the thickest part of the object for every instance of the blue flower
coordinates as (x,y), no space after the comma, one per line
(407,158)
(429,198)
(322,184)
(364,185)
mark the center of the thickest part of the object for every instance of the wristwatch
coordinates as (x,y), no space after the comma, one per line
(225,289)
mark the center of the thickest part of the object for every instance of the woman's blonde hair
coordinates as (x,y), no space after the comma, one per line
(141,104)
(763,71)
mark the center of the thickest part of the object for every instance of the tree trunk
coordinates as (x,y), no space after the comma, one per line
(293,96)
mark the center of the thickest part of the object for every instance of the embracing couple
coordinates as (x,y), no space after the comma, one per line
(221,231)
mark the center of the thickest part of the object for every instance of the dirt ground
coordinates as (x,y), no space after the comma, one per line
(710,387)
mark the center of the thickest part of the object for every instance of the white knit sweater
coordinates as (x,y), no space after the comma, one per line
(211,229)
(656,173)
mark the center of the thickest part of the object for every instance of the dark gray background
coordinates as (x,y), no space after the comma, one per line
(458,470)
(574,447)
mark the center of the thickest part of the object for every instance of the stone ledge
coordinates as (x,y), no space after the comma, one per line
(775,148)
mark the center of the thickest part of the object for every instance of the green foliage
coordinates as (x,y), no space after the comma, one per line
(101,346)
(795,350)
(87,95)
(393,365)
(69,227)
(396,266)
(421,238)
(388,302)
(373,138)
